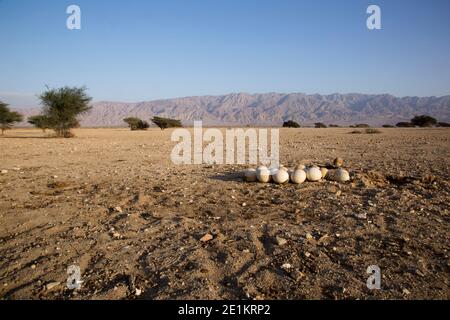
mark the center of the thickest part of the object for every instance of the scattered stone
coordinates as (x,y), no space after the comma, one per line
(406,291)
(116,235)
(323,238)
(361,216)
(309,236)
(244,204)
(138,292)
(207,237)
(280,241)
(4,171)
(286,266)
(33,266)
(51,285)
(307,254)
(250,175)
(338,162)
(333,189)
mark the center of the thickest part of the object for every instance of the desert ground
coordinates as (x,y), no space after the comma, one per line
(111,202)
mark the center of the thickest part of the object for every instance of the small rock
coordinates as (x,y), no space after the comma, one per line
(4,171)
(277,201)
(280,241)
(406,291)
(244,204)
(138,292)
(33,266)
(338,162)
(323,238)
(116,235)
(307,254)
(51,285)
(361,215)
(286,266)
(309,236)
(207,237)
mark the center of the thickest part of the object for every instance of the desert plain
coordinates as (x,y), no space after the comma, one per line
(111,202)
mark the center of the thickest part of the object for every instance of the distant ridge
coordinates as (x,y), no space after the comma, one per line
(272,109)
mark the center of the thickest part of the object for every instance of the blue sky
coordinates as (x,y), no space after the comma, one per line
(139,50)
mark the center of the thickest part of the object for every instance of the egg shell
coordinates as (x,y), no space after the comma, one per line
(324,172)
(313,174)
(341,175)
(281,176)
(263,174)
(298,176)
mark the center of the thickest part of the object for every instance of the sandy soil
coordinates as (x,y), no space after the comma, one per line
(111,202)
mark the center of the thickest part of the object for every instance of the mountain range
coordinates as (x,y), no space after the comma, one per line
(271,109)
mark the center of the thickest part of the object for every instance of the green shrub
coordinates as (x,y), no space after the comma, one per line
(136,123)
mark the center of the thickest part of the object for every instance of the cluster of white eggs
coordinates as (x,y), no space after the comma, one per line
(298,175)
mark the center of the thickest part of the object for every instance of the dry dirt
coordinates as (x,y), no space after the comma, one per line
(111,202)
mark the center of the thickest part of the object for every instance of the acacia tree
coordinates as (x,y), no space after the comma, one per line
(8,117)
(62,107)
(164,123)
(40,121)
(423,121)
(290,124)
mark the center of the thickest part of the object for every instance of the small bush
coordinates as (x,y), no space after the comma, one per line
(388,126)
(443,124)
(334,126)
(405,125)
(362,125)
(355,132)
(136,124)
(320,125)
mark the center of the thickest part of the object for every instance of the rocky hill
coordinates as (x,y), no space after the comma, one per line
(273,109)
